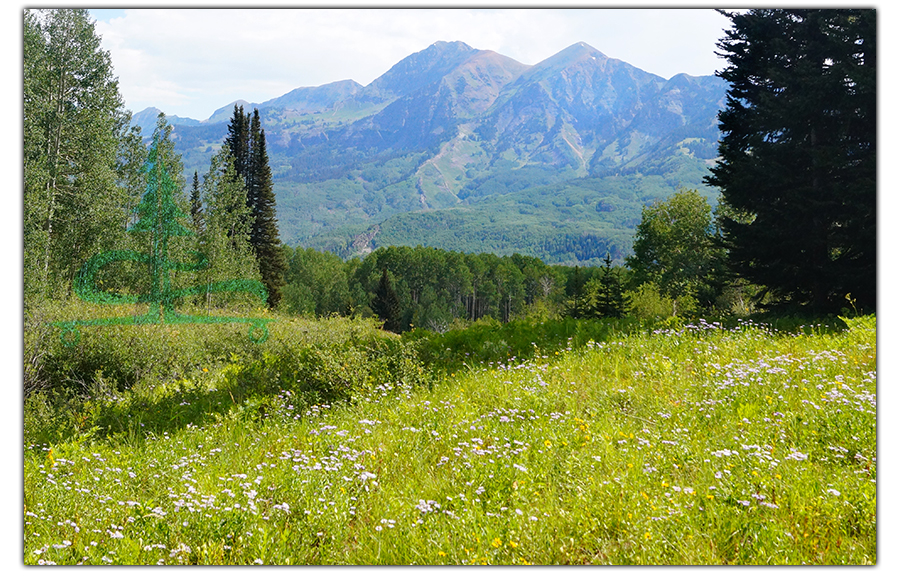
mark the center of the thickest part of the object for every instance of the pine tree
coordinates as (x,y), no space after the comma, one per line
(159,216)
(798,153)
(264,235)
(196,204)
(386,303)
(238,141)
(225,239)
(246,140)
(611,299)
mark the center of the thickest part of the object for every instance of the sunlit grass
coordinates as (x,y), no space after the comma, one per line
(692,446)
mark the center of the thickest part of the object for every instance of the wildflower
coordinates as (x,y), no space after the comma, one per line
(796,455)
(646,535)
(442,553)
(546,443)
(497,543)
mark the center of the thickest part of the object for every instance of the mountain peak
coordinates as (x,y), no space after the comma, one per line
(420,69)
(452,45)
(578,52)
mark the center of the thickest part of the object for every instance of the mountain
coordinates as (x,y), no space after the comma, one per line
(146,119)
(310,100)
(468,149)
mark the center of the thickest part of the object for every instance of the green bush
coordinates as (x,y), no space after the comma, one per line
(168,376)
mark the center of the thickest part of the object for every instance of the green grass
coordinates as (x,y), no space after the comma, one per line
(698,445)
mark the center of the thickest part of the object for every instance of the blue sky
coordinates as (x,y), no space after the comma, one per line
(192,62)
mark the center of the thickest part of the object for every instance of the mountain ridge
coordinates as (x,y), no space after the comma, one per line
(452,127)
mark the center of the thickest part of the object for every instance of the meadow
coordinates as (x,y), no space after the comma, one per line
(334,443)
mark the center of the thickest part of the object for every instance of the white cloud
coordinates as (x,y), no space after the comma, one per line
(189,62)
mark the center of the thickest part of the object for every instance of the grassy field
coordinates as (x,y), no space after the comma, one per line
(694,444)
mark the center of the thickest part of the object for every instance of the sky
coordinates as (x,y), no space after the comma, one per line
(191,62)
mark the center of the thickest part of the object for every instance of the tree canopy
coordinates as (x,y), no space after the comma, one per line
(80,181)
(798,153)
(676,250)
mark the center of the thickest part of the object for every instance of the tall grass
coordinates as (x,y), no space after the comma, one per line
(690,445)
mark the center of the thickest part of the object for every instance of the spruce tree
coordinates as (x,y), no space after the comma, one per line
(264,235)
(246,140)
(238,141)
(611,300)
(196,204)
(798,153)
(225,239)
(386,303)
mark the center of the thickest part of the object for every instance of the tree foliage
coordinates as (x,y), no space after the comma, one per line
(225,239)
(246,139)
(79,181)
(675,248)
(264,226)
(386,304)
(798,152)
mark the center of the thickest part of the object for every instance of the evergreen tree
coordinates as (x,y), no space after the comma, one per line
(386,304)
(246,140)
(611,298)
(158,217)
(238,141)
(196,204)
(798,153)
(264,226)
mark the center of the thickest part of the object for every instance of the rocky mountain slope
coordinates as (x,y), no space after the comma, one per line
(553,160)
